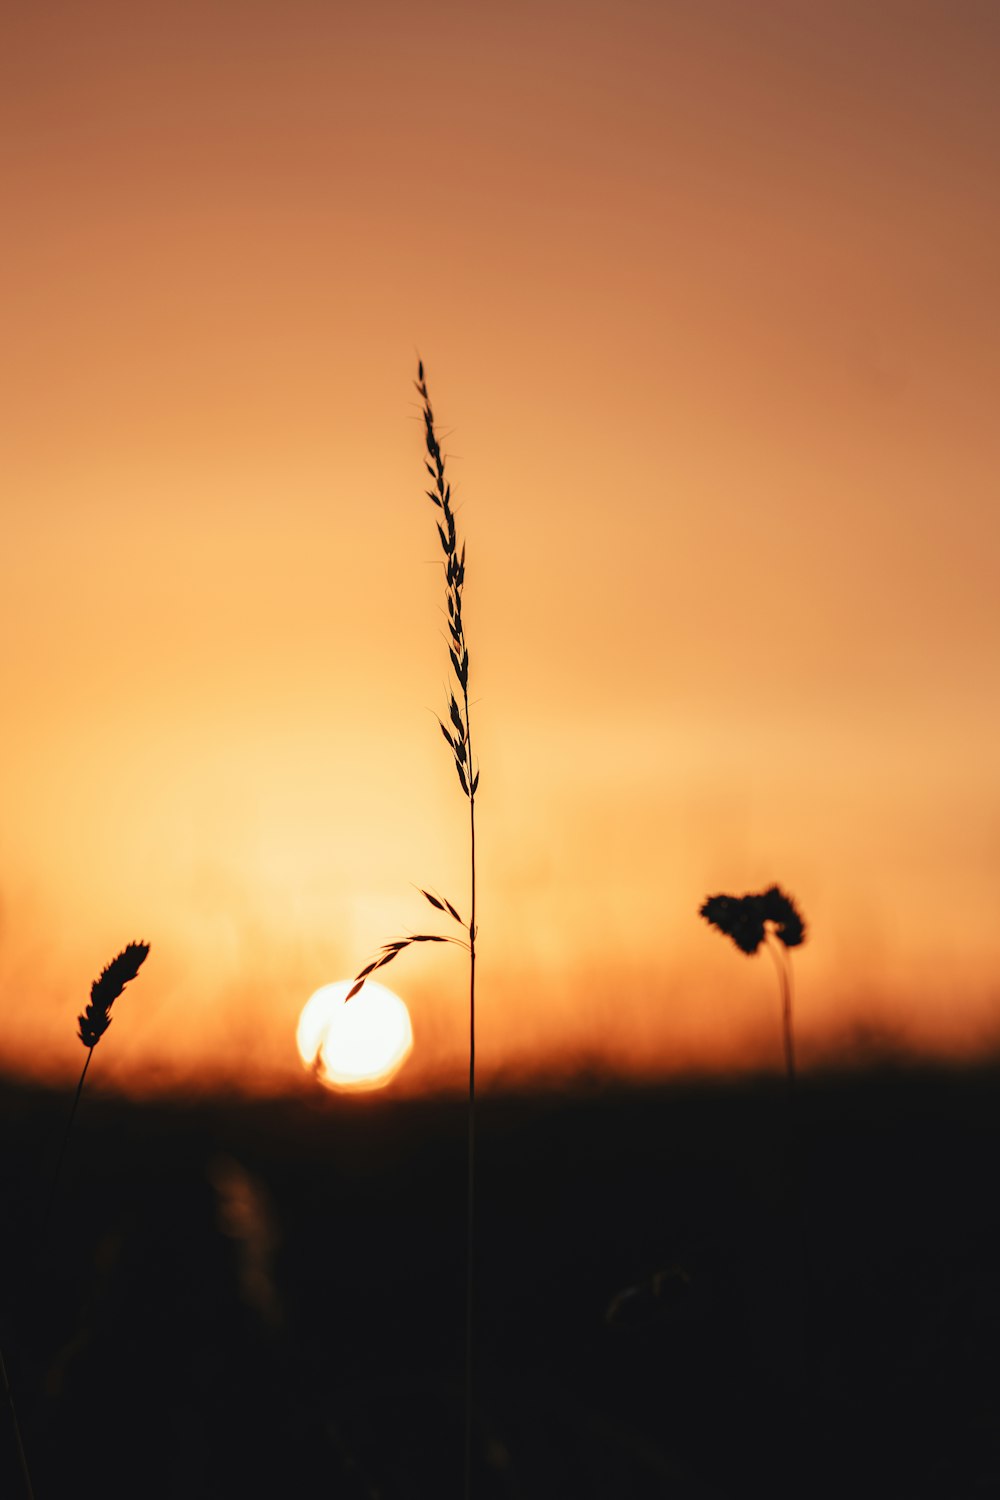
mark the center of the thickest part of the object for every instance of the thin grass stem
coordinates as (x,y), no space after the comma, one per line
(21,1456)
(60,1159)
(471,1190)
(43,1235)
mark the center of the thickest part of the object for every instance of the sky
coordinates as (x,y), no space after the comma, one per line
(707,298)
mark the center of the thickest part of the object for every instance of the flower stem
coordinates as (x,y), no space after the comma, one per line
(783,966)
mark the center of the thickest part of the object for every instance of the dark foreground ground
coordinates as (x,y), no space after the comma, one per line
(241,1300)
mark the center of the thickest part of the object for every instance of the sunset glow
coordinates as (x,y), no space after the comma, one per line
(360,1044)
(707,299)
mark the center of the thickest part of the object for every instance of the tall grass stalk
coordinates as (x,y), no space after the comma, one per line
(457,733)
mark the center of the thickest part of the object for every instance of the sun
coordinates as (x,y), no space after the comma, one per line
(360,1045)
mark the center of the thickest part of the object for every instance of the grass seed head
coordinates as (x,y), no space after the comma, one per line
(105,990)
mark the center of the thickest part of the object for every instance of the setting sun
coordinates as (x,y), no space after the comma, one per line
(358,1045)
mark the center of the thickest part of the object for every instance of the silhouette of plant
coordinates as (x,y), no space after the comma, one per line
(457,734)
(770,918)
(105,990)
(93,1023)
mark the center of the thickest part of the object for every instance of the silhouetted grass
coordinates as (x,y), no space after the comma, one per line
(770,918)
(93,1023)
(457,734)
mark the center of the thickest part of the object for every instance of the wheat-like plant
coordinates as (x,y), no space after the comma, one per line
(457,732)
(104,992)
(93,1023)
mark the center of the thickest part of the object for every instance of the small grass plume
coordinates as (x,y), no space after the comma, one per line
(93,1023)
(105,990)
(773,919)
(457,733)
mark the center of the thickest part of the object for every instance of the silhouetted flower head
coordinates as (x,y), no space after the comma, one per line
(780,909)
(96,1019)
(743,918)
(739,917)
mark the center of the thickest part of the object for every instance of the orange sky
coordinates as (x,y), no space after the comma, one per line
(707,294)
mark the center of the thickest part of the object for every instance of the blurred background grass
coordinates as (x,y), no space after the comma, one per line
(244,1298)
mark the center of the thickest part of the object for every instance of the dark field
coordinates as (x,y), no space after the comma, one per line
(267,1299)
